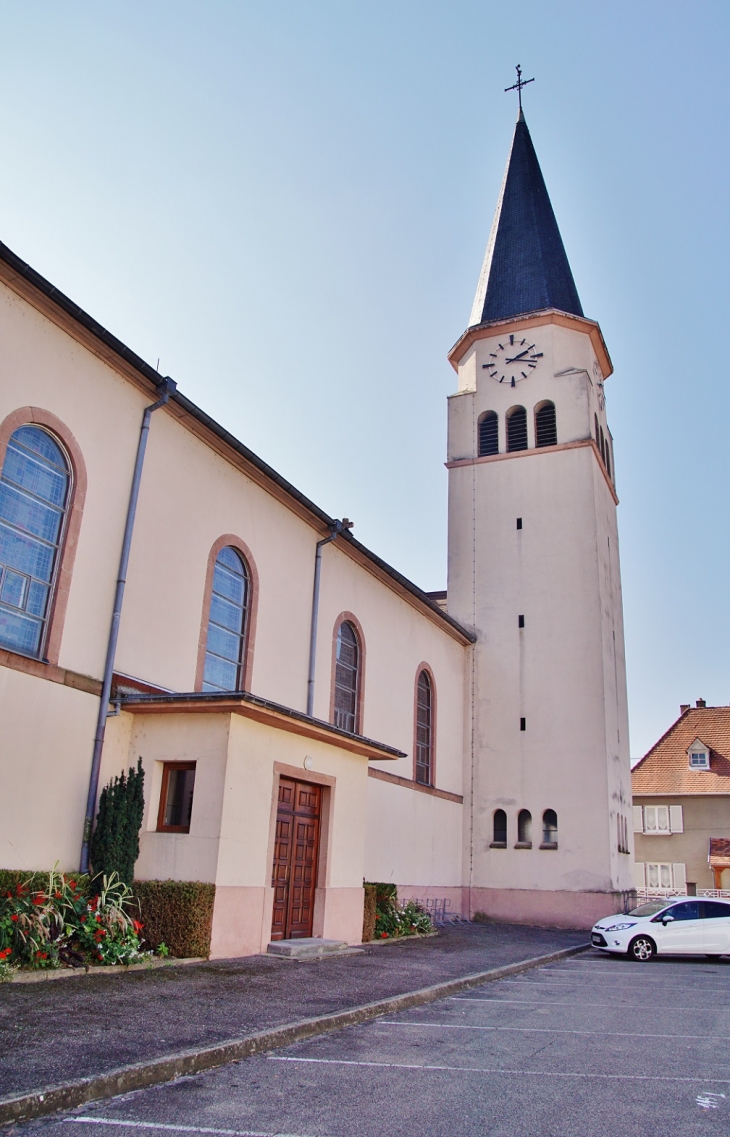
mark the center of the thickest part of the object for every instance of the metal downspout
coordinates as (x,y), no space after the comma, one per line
(167,386)
(337,528)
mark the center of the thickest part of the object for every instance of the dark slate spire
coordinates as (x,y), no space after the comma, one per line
(525,268)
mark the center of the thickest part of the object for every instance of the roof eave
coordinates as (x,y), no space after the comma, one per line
(530,320)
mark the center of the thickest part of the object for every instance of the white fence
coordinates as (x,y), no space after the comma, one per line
(644,894)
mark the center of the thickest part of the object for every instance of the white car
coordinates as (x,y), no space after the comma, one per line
(676,926)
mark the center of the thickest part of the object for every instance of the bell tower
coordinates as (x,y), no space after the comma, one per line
(534,570)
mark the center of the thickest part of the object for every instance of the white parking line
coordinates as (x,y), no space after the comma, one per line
(575,1006)
(178,1128)
(550,1030)
(699,1078)
(580,985)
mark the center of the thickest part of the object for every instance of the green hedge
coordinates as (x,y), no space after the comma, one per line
(369,913)
(11,878)
(178,913)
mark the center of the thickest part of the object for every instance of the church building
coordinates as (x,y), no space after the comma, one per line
(306,716)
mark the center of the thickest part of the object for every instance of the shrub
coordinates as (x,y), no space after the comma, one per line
(115,841)
(369,913)
(11,878)
(178,914)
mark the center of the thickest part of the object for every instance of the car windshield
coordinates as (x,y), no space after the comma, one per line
(649,909)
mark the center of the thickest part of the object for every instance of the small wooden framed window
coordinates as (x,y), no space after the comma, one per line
(176,797)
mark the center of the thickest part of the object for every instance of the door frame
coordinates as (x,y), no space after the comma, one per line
(327,784)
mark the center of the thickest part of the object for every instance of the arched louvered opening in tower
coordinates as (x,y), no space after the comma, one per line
(499,830)
(524,828)
(602,445)
(517,429)
(488,434)
(549,829)
(608,458)
(546,429)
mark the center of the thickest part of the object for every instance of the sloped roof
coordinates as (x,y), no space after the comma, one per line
(665,769)
(525,268)
(719,851)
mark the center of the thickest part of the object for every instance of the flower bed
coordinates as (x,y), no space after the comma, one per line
(393,919)
(52,921)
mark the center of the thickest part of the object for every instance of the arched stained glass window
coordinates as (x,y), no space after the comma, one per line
(488,434)
(424,730)
(546,430)
(517,429)
(227,622)
(347,678)
(34,493)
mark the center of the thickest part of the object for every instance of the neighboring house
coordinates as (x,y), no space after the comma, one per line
(681,799)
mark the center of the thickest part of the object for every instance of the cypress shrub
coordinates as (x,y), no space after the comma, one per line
(115,841)
(178,913)
(369,913)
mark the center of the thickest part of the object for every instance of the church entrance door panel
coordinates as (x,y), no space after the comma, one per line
(296,849)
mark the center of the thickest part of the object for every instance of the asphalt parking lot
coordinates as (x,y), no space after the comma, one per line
(591,1045)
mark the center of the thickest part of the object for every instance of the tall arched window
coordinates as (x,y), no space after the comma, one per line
(34,495)
(517,429)
(524,827)
(546,430)
(347,678)
(550,828)
(603,446)
(424,729)
(499,829)
(488,434)
(608,458)
(226,639)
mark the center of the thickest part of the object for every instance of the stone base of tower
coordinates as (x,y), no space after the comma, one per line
(545,908)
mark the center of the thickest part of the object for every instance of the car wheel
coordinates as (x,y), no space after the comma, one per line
(642,949)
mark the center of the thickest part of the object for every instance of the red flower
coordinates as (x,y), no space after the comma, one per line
(137,926)
(14,916)
(383,935)
(39,898)
(57,895)
(72,884)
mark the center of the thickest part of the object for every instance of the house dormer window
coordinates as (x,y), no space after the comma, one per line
(699,756)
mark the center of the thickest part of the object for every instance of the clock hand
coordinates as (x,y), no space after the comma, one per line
(516,357)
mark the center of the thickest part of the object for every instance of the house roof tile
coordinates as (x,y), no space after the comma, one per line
(665,768)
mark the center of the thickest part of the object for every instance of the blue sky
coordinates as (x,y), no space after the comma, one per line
(287,203)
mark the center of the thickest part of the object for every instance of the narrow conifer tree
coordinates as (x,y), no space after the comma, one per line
(115,841)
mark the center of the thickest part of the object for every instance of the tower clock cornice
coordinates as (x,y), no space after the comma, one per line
(520,324)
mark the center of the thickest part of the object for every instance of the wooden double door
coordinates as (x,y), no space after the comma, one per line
(296,851)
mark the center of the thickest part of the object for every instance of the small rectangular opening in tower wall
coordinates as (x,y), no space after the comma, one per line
(519,522)
(520,621)
(523,724)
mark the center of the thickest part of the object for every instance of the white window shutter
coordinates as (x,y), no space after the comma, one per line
(675,819)
(638,821)
(679,876)
(639,874)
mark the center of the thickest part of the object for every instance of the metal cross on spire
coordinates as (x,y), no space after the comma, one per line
(519,85)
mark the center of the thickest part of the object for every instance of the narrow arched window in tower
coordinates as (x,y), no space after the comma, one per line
(34,494)
(598,433)
(524,828)
(550,829)
(546,430)
(499,829)
(517,429)
(227,622)
(608,458)
(488,434)
(424,730)
(603,446)
(347,678)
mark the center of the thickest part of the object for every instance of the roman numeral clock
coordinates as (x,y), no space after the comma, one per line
(512,361)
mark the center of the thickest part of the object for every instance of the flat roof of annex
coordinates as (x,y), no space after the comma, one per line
(56,306)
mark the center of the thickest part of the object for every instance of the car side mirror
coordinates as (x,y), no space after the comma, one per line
(667,920)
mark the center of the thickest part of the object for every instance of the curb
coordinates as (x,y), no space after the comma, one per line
(139,1075)
(88,972)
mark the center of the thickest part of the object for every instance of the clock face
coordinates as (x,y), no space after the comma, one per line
(512,360)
